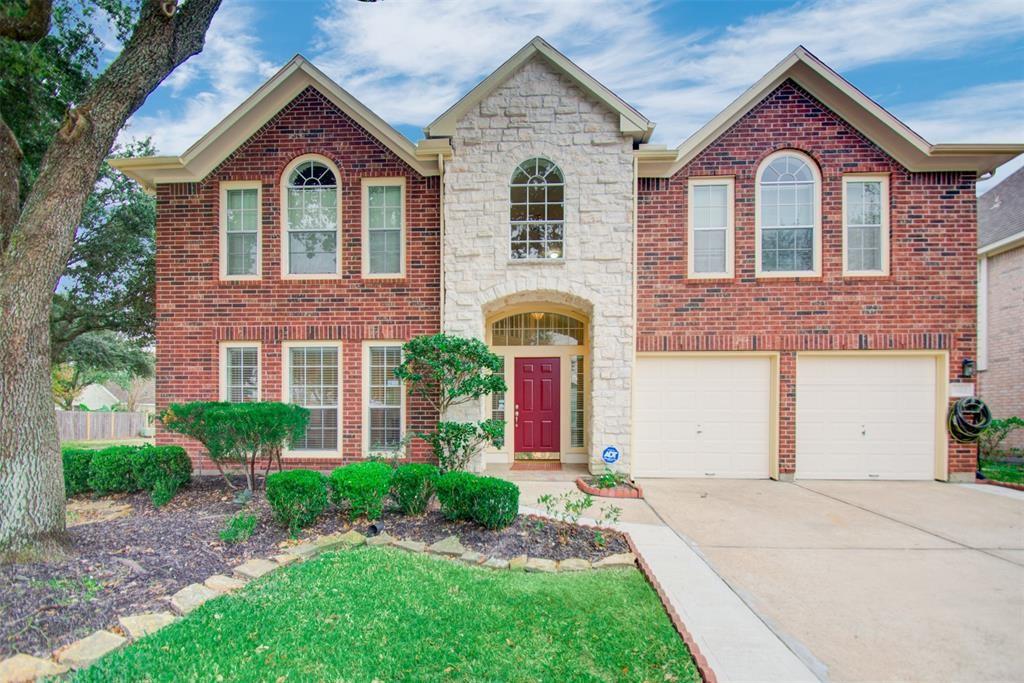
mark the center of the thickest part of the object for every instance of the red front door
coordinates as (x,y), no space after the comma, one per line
(537,413)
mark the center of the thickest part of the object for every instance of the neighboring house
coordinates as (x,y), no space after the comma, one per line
(140,396)
(790,292)
(1001,300)
(97,397)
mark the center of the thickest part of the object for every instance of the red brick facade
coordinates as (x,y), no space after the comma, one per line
(927,301)
(196,310)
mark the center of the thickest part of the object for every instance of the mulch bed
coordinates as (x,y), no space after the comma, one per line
(130,564)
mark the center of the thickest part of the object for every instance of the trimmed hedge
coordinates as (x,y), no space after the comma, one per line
(156,463)
(489,501)
(112,471)
(76,470)
(363,485)
(413,486)
(297,497)
(495,503)
(455,492)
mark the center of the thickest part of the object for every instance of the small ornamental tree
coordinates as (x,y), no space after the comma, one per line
(239,434)
(448,371)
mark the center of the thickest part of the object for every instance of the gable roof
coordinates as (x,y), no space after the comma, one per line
(631,121)
(1001,211)
(238,126)
(859,110)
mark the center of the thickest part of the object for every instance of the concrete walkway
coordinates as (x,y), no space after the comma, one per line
(883,581)
(737,643)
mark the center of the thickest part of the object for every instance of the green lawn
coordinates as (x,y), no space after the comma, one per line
(1001,471)
(382,614)
(141,441)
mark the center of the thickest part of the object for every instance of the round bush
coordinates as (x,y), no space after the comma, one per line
(162,470)
(495,502)
(413,485)
(76,470)
(455,491)
(112,471)
(363,485)
(297,497)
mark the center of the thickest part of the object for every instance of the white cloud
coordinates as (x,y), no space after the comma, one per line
(211,84)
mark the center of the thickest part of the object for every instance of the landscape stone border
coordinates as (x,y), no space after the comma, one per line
(1004,484)
(620,491)
(22,668)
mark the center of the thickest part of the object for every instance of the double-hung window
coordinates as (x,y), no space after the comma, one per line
(311,217)
(240,230)
(788,217)
(312,381)
(865,224)
(384,398)
(710,239)
(383,227)
(240,372)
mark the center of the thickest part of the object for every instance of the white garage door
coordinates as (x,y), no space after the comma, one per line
(865,417)
(702,417)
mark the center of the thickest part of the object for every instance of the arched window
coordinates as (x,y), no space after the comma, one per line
(311,218)
(537,329)
(789,215)
(537,210)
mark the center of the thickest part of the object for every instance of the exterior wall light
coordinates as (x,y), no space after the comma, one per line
(967,368)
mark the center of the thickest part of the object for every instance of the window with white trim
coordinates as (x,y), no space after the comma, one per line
(384,406)
(312,219)
(865,224)
(384,226)
(240,230)
(498,399)
(537,211)
(576,400)
(241,367)
(788,221)
(313,384)
(710,227)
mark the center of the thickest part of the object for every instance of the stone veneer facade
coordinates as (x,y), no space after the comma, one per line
(541,113)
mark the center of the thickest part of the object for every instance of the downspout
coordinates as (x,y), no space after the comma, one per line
(440,166)
(636,336)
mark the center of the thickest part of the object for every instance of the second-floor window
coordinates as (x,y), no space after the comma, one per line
(537,211)
(240,230)
(311,219)
(710,238)
(865,224)
(789,218)
(383,227)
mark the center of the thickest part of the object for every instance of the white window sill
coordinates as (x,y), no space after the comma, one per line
(710,276)
(536,261)
(865,273)
(383,276)
(241,278)
(311,454)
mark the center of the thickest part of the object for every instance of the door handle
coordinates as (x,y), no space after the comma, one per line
(517,414)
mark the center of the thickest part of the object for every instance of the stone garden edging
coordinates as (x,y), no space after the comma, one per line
(1004,484)
(619,491)
(82,653)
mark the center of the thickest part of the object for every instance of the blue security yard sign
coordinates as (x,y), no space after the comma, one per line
(610,455)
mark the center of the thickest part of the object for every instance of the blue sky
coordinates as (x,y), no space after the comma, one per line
(952,70)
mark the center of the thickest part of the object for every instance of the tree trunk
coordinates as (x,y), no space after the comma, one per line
(36,241)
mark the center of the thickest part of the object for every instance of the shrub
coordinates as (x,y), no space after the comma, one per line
(363,485)
(239,434)
(297,497)
(992,438)
(413,485)
(495,502)
(239,528)
(162,470)
(111,470)
(455,491)
(76,470)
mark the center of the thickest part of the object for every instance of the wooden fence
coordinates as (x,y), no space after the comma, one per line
(82,425)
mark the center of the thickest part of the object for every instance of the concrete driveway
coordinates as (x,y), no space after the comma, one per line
(880,581)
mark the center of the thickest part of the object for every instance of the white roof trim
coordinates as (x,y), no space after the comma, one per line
(259,108)
(1007,243)
(863,113)
(631,122)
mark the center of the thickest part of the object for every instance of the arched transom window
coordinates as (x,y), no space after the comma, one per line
(537,329)
(537,211)
(312,219)
(789,216)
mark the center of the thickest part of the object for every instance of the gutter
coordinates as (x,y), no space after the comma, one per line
(1005,244)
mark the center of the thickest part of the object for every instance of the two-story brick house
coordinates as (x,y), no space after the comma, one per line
(790,292)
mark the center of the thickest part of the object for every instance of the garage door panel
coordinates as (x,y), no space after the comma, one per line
(863,417)
(702,417)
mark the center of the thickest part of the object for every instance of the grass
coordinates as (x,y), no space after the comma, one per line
(1003,471)
(382,614)
(98,444)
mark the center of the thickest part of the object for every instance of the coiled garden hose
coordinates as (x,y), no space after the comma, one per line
(967,419)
